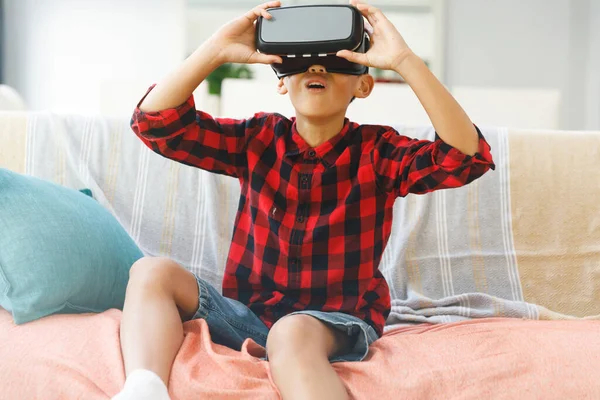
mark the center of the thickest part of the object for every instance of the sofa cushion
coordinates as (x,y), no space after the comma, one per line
(60,251)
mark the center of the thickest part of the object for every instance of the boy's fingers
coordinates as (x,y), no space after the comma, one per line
(369,28)
(358,58)
(372,14)
(376,14)
(258,58)
(364,10)
(261,10)
(272,4)
(252,15)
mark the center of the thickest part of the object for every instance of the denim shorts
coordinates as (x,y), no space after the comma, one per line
(231,323)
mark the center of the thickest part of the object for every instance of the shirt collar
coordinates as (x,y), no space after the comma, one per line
(328,151)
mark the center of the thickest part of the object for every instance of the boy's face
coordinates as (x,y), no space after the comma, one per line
(317,93)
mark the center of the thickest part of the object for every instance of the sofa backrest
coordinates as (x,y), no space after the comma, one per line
(522,241)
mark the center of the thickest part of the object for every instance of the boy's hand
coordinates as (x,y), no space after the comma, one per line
(388,48)
(236,40)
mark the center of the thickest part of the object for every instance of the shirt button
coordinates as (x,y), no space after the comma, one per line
(301,219)
(312,153)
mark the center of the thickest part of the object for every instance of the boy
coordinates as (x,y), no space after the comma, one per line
(314,216)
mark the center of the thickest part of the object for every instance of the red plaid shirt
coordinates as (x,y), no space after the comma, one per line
(312,223)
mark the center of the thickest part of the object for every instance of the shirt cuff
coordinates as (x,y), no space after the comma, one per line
(449,157)
(158,122)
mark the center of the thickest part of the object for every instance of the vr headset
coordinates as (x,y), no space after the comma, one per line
(309,35)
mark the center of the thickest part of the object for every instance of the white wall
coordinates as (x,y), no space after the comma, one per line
(100,55)
(593,72)
(507,43)
(90,56)
(528,44)
(576,81)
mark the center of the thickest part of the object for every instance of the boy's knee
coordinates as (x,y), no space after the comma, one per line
(152,272)
(297,335)
(161,276)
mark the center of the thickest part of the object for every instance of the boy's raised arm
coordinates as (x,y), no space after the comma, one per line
(404,165)
(179,85)
(167,121)
(390,51)
(233,43)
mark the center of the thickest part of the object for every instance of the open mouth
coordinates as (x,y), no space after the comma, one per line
(316,85)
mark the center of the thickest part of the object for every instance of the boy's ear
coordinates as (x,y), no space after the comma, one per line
(281,89)
(365,86)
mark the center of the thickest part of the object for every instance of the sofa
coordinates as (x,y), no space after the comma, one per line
(495,286)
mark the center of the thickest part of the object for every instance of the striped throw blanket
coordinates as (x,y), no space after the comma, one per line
(523,241)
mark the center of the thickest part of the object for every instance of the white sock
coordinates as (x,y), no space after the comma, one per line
(143,384)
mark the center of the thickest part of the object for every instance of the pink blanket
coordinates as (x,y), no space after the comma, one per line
(77,357)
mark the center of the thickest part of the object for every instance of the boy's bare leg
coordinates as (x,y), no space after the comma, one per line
(299,347)
(160,294)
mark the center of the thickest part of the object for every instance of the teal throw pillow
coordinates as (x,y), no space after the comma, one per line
(60,250)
